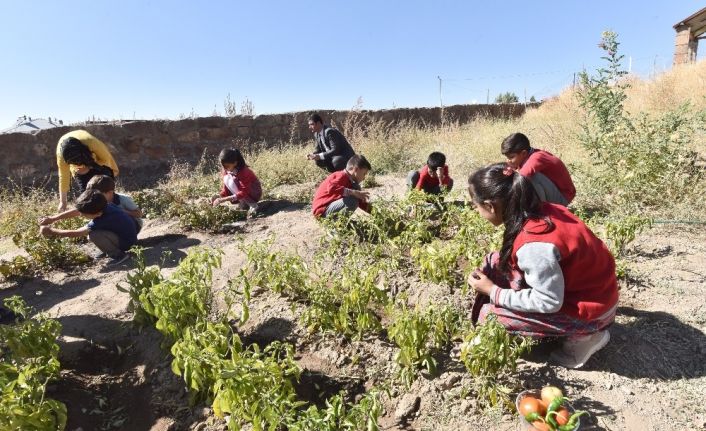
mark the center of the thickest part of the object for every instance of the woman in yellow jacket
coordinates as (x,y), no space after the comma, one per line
(82,156)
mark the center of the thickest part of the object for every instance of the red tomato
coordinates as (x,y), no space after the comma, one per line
(562,416)
(542,408)
(529,405)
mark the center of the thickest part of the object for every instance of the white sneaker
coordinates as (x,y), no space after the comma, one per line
(574,353)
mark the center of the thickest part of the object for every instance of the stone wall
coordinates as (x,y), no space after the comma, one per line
(144,150)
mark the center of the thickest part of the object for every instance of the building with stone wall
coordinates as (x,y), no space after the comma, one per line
(689,31)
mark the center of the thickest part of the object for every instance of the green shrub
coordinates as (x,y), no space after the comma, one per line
(640,161)
(28,362)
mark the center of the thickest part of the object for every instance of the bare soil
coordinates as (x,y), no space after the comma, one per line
(651,376)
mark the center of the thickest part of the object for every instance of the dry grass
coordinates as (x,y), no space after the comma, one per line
(686,83)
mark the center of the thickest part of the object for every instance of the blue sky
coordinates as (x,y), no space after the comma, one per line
(157,59)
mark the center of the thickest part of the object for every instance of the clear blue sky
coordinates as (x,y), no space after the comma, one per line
(158,59)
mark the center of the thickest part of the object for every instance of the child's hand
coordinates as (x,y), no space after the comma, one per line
(312,156)
(363,196)
(440,172)
(46,221)
(480,282)
(46,231)
(216,201)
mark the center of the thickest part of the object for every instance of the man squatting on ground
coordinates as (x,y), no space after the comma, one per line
(332,149)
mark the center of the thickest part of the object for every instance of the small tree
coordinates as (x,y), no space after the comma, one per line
(507,98)
(639,160)
(533,100)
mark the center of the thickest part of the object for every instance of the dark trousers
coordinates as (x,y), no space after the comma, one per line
(334,164)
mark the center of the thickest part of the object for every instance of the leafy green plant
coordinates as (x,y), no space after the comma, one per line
(28,361)
(44,254)
(281,272)
(640,161)
(339,415)
(490,353)
(17,267)
(256,387)
(203,216)
(199,355)
(140,281)
(437,261)
(620,232)
(183,299)
(419,336)
(347,304)
(159,202)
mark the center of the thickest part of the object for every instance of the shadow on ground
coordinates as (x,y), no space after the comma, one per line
(652,344)
(42,295)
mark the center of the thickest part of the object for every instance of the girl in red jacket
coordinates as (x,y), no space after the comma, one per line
(552,276)
(240,185)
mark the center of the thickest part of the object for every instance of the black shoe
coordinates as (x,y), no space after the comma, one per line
(117,260)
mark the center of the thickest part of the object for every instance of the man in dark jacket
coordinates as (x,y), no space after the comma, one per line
(332,149)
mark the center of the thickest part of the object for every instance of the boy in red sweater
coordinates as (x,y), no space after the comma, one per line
(341,190)
(433,177)
(547,172)
(240,184)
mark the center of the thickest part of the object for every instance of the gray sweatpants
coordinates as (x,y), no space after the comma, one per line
(547,190)
(106,241)
(345,203)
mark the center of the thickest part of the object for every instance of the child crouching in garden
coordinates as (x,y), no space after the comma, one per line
(432,178)
(105,185)
(111,229)
(239,183)
(552,277)
(340,191)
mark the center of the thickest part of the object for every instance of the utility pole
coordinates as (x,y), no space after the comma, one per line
(525,96)
(630,64)
(487,98)
(441,102)
(574,85)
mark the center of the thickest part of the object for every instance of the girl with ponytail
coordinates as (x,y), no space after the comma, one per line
(552,277)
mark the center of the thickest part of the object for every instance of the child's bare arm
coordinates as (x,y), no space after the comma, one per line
(49,232)
(220,200)
(61,216)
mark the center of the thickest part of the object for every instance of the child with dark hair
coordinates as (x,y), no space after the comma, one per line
(82,156)
(105,185)
(547,172)
(341,190)
(240,184)
(433,177)
(110,228)
(552,276)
